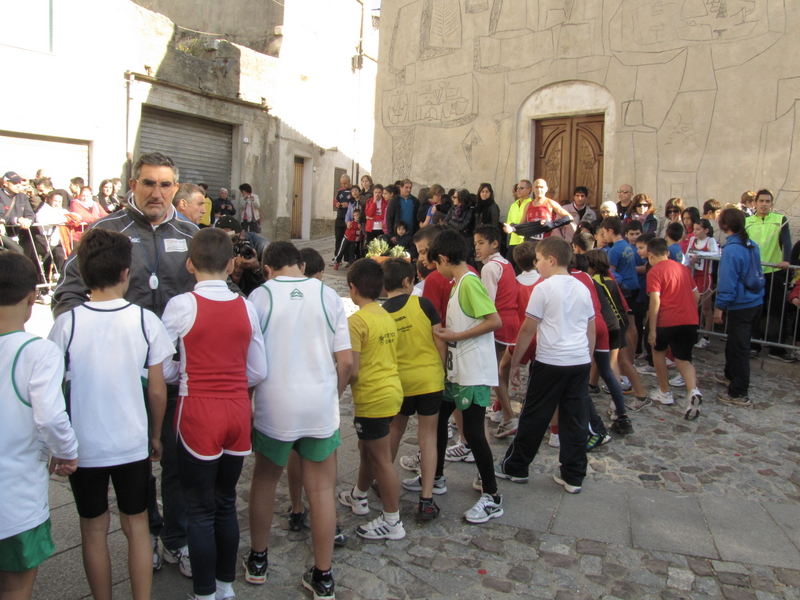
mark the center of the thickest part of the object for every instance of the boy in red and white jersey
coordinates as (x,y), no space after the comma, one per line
(222,355)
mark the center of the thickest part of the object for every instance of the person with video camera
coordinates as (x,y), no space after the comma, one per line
(248,250)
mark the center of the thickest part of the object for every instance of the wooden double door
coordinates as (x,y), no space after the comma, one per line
(568,152)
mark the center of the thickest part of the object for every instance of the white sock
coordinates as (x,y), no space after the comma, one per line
(357,493)
(206,597)
(224,590)
(391,518)
(695,391)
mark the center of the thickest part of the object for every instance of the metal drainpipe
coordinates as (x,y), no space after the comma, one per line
(128,149)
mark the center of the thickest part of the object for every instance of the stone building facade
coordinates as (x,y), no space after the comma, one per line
(684,98)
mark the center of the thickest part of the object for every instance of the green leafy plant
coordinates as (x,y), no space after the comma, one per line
(398,252)
(377,247)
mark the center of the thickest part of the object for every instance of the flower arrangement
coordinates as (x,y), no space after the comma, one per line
(380,248)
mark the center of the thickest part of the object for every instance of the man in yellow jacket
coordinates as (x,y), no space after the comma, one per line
(770,231)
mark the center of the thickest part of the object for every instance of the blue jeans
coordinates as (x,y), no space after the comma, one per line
(603,362)
(209,488)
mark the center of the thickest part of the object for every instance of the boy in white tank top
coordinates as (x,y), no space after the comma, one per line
(471,366)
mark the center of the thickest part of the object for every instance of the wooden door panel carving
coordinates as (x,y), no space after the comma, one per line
(569,152)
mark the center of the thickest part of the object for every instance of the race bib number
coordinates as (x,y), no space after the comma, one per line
(172,245)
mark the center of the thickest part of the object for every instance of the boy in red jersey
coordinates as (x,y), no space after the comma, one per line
(673,324)
(213,415)
(499,279)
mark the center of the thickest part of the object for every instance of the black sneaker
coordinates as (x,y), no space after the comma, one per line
(255,572)
(594,390)
(320,589)
(622,425)
(340,539)
(784,356)
(427,510)
(597,440)
(297,520)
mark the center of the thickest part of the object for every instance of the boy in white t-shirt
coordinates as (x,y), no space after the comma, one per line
(32,419)
(561,315)
(307,342)
(106,402)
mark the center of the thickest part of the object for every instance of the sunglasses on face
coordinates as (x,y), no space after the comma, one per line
(674,210)
(642,206)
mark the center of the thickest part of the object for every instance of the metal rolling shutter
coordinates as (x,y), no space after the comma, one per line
(201,148)
(63,160)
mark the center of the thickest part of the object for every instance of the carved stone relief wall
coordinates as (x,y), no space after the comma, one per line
(705,99)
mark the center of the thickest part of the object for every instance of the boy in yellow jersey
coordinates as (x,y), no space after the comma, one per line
(420,362)
(377,396)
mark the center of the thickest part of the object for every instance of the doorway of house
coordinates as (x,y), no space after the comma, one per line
(297,198)
(568,152)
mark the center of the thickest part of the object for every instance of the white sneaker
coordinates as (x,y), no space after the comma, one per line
(670,364)
(379,529)
(646,370)
(179,557)
(702,344)
(506,428)
(477,483)
(663,397)
(554,441)
(410,463)
(450,430)
(415,484)
(570,489)
(459,452)
(485,508)
(359,505)
(677,381)
(496,416)
(157,561)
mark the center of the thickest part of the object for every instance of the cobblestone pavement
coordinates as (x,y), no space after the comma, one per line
(695,510)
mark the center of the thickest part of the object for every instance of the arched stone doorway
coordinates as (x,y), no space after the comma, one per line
(582,113)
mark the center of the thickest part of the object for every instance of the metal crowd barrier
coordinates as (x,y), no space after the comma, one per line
(779,320)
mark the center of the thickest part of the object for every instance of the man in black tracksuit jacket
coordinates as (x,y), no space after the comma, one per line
(158,272)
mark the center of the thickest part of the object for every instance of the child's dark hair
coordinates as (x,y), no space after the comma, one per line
(633,226)
(18,278)
(586,226)
(313,260)
(422,270)
(584,240)
(658,246)
(488,232)
(674,231)
(281,254)
(558,248)
(451,245)
(733,220)
(525,255)
(613,224)
(711,205)
(598,261)
(392,189)
(400,224)
(211,250)
(693,212)
(645,238)
(102,256)
(395,271)
(706,224)
(366,276)
(439,217)
(580,262)
(427,233)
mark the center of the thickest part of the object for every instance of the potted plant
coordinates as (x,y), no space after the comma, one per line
(379,250)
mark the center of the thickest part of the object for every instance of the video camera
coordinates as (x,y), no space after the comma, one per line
(245,249)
